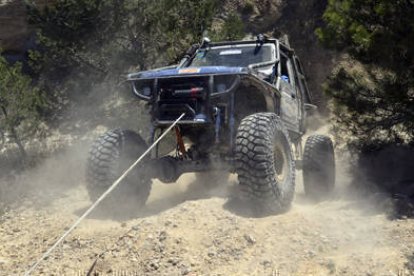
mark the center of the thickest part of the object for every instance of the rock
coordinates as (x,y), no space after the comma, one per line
(311,253)
(266,263)
(173,261)
(159,247)
(153,265)
(162,236)
(250,239)
(211,253)
(185,270)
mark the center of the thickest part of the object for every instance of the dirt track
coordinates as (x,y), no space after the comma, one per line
(189,230)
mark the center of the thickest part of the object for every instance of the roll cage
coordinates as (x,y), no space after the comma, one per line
(284,63)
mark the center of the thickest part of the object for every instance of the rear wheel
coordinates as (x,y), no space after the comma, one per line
(264,163)
(318,167)
(110,155)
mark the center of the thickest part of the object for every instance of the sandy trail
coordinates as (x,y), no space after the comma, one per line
(187,229)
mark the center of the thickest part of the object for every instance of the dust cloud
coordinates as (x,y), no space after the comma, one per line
(187,226)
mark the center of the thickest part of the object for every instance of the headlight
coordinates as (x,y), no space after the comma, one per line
(146,91)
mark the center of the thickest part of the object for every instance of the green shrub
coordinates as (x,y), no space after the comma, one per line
(20,104)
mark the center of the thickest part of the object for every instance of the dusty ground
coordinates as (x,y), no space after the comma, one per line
(189,230)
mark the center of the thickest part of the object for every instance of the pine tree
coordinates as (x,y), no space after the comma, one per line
(373,94)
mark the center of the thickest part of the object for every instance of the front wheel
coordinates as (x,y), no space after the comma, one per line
(264,163)
(110,155)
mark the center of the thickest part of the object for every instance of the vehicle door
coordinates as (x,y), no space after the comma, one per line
(290,112)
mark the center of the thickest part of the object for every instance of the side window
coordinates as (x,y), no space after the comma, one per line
(291,72)
(287,72)
(284,74)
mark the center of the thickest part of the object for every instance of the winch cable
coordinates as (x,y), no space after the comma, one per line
(102,197)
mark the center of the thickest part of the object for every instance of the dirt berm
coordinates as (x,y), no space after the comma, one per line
(187,229)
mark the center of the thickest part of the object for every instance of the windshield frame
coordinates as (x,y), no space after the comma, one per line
(273,54)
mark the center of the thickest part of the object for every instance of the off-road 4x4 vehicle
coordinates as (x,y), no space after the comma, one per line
(245,105)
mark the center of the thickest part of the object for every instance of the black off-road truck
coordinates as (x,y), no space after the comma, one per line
(245,105)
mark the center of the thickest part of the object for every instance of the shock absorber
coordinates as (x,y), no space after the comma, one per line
(217,112)
(180,141)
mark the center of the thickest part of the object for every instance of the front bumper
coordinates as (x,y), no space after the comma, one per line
(192,94)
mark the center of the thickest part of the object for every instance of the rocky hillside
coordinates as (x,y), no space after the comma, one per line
(187,228)
(296,18)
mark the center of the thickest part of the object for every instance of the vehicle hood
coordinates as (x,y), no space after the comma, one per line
(188,71)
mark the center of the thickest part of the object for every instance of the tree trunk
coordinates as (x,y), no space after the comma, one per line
(13,132)
(19,144)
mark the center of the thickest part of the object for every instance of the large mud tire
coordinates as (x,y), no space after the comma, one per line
(318,167)
(111,154)
(265,164)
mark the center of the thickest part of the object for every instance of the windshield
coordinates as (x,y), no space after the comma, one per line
(233,56)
